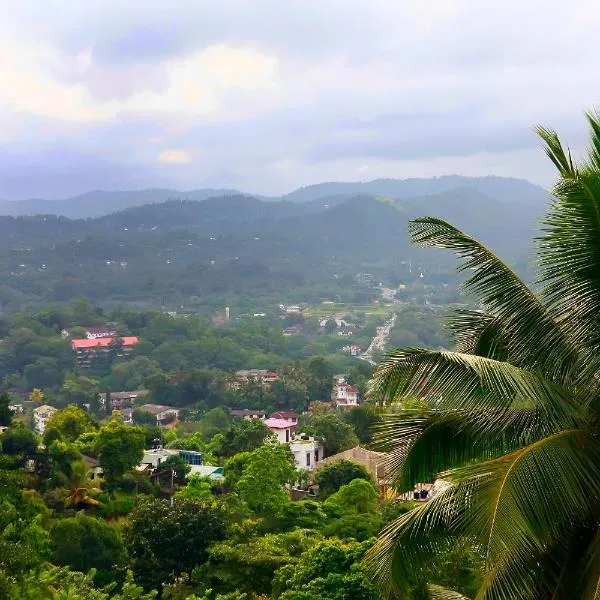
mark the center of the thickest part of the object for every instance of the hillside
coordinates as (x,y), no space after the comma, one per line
(230,247)
(99,203)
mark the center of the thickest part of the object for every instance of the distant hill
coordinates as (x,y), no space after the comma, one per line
(237,246)
(100,203)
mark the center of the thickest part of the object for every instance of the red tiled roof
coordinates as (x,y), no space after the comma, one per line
(351,389)
(102,342)
(284,414)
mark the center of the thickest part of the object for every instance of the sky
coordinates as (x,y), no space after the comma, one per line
(266,96)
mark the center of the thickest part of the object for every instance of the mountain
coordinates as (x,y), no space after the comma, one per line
(235,247)
(100,203)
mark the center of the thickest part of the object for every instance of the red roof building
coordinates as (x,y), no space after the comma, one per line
(286,415)
(281,428)
(89,349)
(344,395)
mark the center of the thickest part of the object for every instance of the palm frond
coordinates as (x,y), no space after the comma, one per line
(553,147)
(533,338)
(516,506)
(457,381)
(423,443)
(476,332)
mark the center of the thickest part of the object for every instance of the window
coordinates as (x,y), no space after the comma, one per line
(316,455)
(287,435)
(308,459)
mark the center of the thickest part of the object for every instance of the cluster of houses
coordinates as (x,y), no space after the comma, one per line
(342,327)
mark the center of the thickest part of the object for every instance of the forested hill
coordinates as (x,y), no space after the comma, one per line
(99,203)
(224,248)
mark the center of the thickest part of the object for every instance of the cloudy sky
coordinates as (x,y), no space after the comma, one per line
(268,95)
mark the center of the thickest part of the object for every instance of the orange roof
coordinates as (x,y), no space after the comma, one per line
(102,342)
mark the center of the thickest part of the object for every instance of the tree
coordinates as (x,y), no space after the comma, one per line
(358,496)
(320,378)
(245,435)
(512,415)
(81,391)
(197,488)
(83,543)
(165,542)
(268,469)
(330,570)
(19,441)
(82,490)
(338,435)
(362,418)
(143,417)
(5,412)
(332,476)
(67,424)
(36,395)
(331,326)
(180,468)
(120,448)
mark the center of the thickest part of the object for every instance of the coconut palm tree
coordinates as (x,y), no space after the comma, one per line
(509,421)
(81,489)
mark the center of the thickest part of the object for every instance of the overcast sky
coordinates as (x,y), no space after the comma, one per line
(268,95)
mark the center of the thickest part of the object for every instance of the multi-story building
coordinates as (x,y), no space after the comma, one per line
(87,350)
(308,452)
(41,415)
(344,395)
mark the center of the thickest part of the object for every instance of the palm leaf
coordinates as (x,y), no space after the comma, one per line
(437,592)
(457,381)
(533,338)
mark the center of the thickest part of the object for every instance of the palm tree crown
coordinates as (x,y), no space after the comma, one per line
(509,420)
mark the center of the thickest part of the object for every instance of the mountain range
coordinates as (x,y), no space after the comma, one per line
(230,247)
(99,203)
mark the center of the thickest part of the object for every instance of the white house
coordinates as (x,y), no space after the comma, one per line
(281,428)
(308,452)
(344,395)
(163,414)
(41,414)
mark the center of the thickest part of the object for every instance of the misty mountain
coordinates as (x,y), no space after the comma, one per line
(99,203)
(242,246)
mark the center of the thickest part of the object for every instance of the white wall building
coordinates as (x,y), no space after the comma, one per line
(344,395)
(308,452)
(281,428)
(41,414)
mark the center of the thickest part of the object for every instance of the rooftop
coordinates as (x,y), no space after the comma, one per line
(279,424)
(284,414)
(103,342)
(156,408)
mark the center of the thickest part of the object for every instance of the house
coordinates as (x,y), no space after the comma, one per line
(281,428)
(292,329)
(352,350)
(287,415)
(211,471)
(344,395)
(156,456)
(89,349)
(93,333)
(119,400)
(163,414)
(308,452)
(290,308)
(376,463)
(264,377)
(93,465)
(247,413)
(41,415)
(17,409)
(127,414)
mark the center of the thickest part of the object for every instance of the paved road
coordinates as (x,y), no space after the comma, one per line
(380,340)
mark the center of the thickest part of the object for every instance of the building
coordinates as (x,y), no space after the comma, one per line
(264,377)
(127,414)
(281,428)
(287,415)
(163,414)
(93,333)
(293,329)
(344,395)
(41,415)
(376,463)
(119,400)
(308,452)
(157,456)
(89,349)
(352,350)
(247,413)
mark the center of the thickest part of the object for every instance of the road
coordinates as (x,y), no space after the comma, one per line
(380,340)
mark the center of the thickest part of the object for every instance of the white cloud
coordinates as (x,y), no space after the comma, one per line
(174,156)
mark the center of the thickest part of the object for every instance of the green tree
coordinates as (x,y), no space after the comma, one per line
(197,488)
(180,468)
(245,435)
(332,476)
(165,542)
(363,419)
(83,543)
(267,470)
(81,390)
(320,378)
(331,570)
(338,436)
(358,496)
(18,440)
(120,448)
(5,412)
(67,424)
(512,415)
